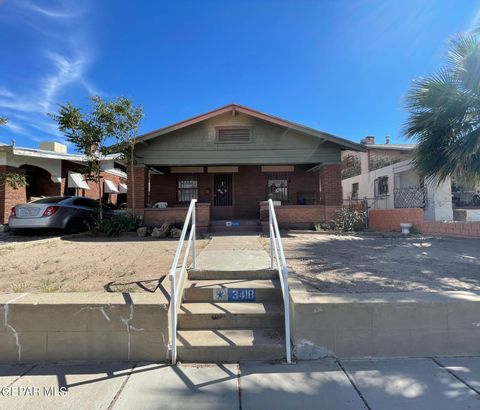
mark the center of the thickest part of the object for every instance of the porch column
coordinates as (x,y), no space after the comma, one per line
(138,183)
(9,197)
(331,185)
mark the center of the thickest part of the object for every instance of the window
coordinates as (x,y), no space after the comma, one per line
(355,190)
(278,187)
(86,202)
(233,134)
(187,188)
(381,186)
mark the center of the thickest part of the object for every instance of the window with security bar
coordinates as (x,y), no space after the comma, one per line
(187,188)
(278,187)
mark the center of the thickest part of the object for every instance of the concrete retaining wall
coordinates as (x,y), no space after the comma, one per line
(384,324)
(83,326)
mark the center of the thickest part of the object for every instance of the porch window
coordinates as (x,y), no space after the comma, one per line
(278,187)
(355,190)
(381,186)
(187,188)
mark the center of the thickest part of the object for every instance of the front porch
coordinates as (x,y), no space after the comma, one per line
(233,196)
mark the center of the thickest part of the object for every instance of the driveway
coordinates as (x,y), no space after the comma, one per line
(425,383)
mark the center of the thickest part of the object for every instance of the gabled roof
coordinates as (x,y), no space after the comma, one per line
(257,114)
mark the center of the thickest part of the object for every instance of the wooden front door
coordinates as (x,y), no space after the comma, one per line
(222,196)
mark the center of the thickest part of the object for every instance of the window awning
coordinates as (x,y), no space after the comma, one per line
(76,180)
(122,188)
(110,187)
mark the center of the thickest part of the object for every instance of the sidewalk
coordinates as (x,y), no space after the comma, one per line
(233,253)
(323,384)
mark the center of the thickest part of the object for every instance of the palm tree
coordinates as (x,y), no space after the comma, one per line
(444,114)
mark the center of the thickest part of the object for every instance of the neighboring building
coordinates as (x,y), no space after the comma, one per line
(232,159)
(385,176)
(50,170)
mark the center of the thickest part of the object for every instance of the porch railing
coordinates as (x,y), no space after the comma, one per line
(277,254)
(177,283)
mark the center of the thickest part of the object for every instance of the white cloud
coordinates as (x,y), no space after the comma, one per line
(66,58)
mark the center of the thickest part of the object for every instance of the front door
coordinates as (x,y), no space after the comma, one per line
(222,196)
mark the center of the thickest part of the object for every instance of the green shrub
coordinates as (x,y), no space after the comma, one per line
(115,226)
(346,220)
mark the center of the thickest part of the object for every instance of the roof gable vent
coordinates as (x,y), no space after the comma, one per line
(233,134)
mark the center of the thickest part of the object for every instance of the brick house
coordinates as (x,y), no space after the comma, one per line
(232,160)
(52,171)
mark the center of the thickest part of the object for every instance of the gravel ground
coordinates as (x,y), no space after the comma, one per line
(389,263)
(85,263)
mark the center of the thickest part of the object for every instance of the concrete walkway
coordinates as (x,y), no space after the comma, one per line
(418,384)
(233,253)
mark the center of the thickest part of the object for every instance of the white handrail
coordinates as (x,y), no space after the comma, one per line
(276,253)
(176,291)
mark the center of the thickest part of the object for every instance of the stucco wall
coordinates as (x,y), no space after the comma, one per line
(384,324)
(83,326)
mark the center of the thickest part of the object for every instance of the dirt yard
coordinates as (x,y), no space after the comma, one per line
(351,263)
(82,264)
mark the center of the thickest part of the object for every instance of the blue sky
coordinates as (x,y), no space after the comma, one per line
(339,66)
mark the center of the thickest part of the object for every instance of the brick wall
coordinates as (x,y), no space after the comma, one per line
(452,228)
(93,192)
(297,216)
(331,184)
(390,219)
(158,216)
(140,174)
(250,187)
(10,197)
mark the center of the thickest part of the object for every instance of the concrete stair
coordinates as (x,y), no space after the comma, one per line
(213,330)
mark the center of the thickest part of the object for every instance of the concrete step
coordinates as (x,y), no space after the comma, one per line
(230,345)
(205,316)
(266,290)
(233,274)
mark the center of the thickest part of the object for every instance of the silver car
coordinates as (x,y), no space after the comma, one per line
(73,213)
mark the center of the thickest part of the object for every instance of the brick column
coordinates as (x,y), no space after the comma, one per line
(9,197)
(331,185)
(140,178)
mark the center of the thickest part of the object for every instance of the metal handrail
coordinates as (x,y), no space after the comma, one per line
(176,291)
(276,253)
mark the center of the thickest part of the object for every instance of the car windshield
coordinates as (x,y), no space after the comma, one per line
(49,200)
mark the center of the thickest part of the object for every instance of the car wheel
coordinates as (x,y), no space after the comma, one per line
(75,226)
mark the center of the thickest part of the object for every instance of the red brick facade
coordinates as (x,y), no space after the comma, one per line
(44,186)
(158,216)
(297,216)
(140,176)
(331,185)
(250,187)
(10,197)
(390,219)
